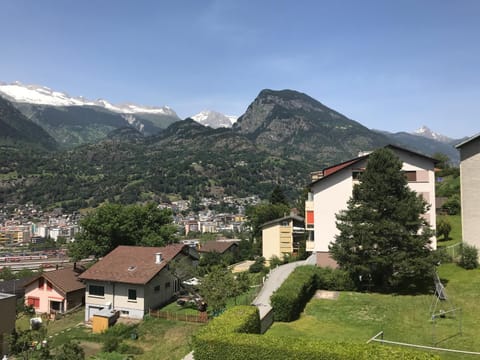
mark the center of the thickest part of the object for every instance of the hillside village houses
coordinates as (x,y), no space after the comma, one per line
(27,224)
(470,189)
(332,188)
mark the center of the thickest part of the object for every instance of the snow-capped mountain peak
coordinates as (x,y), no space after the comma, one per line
(42,95)
(426,132)
(214,119)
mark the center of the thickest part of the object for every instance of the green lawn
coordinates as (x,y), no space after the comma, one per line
(356,317)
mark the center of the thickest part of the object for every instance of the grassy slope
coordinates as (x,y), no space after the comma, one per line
(358,316)
(158,338)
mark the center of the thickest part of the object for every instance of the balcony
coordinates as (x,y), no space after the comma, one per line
(310,245)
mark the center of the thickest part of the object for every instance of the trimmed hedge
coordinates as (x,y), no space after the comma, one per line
(236,320)
(215,342)
(334,279)
(291,297)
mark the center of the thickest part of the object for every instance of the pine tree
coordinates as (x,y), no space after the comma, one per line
(277,197)
(384,243)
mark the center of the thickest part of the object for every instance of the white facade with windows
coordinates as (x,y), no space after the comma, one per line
(332,192)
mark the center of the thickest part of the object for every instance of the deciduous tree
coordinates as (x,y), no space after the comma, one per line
(111,225)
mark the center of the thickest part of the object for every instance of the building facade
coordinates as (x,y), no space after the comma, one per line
(132,280)
(331,191)
(470,189)
(282,236)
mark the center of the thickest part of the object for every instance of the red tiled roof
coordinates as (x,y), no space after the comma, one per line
(67,280)
(216,246)
(335,168)
(132,264)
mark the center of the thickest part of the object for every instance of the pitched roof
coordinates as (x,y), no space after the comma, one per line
(217,246)
(474,137)
(132,264)
(293,217)
(337,167)
(64,279)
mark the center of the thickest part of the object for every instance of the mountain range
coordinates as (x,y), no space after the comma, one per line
(281,138)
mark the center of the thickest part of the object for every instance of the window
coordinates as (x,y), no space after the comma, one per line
(156,288)
(357,174)
(96,290)
(35,302)
(132,295)
(41,282)
(167,285)
(411,176)
(55,305)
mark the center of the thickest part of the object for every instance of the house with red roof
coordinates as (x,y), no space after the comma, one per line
(332,188)
(56,291)
(219,246)
(132,280)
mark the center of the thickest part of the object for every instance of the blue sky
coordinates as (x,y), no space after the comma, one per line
(391,65)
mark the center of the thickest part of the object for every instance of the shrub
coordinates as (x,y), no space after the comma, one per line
(291,297)
(443,228)
(469,258)
(124,348)
(452,205)
(258,265)
(334,279)
(110,344)
(121,331)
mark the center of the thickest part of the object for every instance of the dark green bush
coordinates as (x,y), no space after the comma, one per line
(334,279)
(258,265)
(124,348)
(291,297)
(469,258)
(121,331)
(110,344)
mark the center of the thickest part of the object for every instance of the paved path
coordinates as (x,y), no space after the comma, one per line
(274,279)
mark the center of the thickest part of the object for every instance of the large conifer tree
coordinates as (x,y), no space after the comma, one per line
(384,242)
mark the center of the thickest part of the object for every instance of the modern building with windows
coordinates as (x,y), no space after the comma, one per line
(281,237)
(332,188)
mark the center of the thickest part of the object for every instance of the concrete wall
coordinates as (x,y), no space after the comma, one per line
(271,242)
(330,196)
(470,191)
(8,304)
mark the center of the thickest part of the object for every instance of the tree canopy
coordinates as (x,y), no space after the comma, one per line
(111,225)
(384,242)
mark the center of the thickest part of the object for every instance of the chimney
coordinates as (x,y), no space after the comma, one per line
(158,258)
